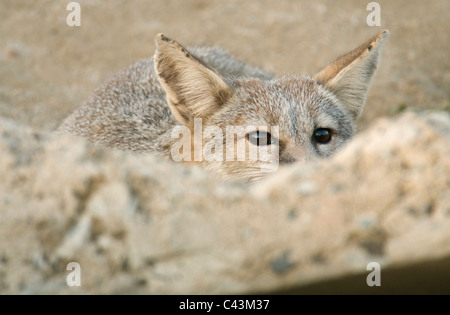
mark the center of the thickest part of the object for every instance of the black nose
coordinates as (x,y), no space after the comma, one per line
(287,160)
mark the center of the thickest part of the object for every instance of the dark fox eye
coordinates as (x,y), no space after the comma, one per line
(322,135)
(259,138)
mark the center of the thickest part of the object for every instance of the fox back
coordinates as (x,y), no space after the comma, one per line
(184,102)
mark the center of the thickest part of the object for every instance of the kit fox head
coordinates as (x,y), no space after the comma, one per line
(312,117)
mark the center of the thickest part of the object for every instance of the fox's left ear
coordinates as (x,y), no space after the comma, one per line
(350,75)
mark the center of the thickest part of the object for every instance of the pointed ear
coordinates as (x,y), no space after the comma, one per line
(194,90)
(350,75)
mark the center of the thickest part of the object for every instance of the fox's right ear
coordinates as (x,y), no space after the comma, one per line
(194,90)
(349,76)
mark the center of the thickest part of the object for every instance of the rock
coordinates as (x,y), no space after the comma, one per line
(140,224)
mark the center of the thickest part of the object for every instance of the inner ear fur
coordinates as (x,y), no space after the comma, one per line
(349,76)
(194,89)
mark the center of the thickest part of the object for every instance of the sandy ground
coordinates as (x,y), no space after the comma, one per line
(47,68)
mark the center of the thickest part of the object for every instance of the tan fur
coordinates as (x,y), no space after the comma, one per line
(350,75)
(193,89)
(138,109)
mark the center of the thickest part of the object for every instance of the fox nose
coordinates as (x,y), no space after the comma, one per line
(290,154)
(293,152)
(287,160)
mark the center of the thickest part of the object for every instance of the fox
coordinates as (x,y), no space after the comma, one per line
(140,108)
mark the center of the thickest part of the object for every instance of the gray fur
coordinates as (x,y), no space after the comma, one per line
(131,111)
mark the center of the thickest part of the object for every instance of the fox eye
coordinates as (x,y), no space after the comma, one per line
(259,138)
(322,135)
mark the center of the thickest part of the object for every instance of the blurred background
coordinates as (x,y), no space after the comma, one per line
(47,68)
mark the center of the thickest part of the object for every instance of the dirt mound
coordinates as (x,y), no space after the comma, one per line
(139,224)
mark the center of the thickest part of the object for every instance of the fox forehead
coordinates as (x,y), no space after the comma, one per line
(297,105)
